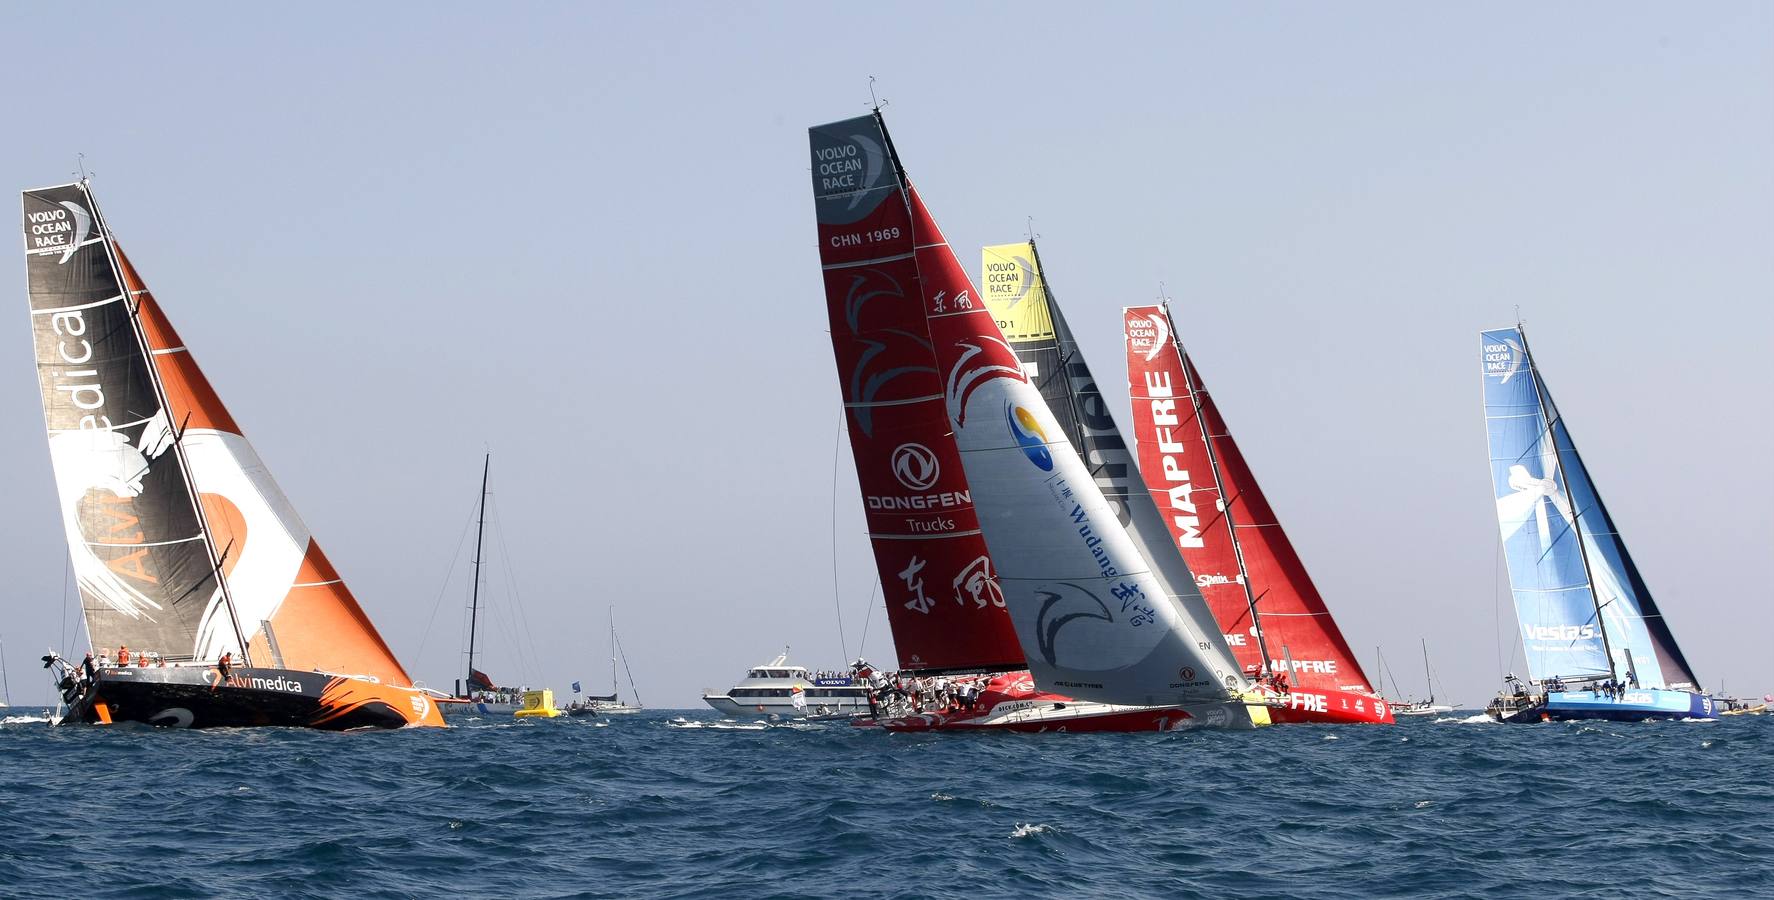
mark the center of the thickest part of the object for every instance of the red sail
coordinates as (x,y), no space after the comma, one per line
(943,600)
(275,571)
(1174,461)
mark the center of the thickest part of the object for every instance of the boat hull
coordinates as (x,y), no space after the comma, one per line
(1301,706)
(191,697)
(1636,705)
(1012,702)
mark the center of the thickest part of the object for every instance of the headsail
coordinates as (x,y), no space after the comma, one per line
(1021,301)
(944,602)
(273,574)
(1578,595)
(1174,417)
(1095,622)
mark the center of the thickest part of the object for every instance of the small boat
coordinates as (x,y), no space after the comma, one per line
(182,545)
(1596,644)
(538,705)
(779,689)
(477,695)
(611,704)
(1426,706)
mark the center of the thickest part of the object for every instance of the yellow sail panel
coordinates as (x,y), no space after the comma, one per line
(1015,293)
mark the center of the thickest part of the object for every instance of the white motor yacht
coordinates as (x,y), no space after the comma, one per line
(770,689)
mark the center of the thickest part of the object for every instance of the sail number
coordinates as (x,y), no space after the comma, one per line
(872,236)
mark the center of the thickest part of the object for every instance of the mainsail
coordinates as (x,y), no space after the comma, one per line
(1243,561)
(944,602)
(1584,610)
(159,487)
(1021,301)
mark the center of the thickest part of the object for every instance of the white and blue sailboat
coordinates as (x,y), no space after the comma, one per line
(1596,645)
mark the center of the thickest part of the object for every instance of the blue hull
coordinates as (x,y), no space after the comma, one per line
(1635,705)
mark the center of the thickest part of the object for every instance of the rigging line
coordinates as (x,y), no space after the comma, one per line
(862,645)
(528,635)
(837,602)
(1496,609)
(67,566)
(449,572)
(625,667)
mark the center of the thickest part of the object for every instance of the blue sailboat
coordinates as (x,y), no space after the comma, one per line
(1596,645)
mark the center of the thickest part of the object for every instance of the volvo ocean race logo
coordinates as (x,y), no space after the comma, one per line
(1503,360)
(1147,334)
(915,466)
(64,229)
(1029,436)
(852,167)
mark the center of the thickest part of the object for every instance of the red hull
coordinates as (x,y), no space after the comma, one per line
(1327,707)
(1011,702)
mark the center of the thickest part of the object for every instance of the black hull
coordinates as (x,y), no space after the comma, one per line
(189,697)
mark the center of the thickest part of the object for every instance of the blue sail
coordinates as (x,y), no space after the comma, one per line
(1546,504)
(1553,599)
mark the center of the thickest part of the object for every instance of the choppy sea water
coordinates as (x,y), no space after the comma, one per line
(682,804)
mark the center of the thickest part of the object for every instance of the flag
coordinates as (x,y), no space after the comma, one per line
(575,687)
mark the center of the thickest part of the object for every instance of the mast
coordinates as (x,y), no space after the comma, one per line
(1601,624)
(612,649)
(133,304)
(480,531)
(1225,503)
(1428,679)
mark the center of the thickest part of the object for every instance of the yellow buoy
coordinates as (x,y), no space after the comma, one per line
(538,705)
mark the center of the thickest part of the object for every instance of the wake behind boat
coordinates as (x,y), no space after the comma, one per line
(1596,645)
(182,545)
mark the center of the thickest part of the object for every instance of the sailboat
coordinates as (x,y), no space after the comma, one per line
(991,538)
(1596,645)
(1217,518)
(5,682)
(1427,706)
(476,694)
(185,551)
(611,704)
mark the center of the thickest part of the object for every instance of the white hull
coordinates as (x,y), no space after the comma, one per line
(478,708)
(1431,710)
(765,707)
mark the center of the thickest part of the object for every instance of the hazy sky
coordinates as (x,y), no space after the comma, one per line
(582,235)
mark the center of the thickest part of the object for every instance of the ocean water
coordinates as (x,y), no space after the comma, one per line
(682,804)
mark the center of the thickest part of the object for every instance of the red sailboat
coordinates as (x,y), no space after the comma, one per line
(1274,620)
(961,654)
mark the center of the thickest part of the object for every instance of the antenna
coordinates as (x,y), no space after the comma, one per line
(80,163)
(875,103)
(1030,230)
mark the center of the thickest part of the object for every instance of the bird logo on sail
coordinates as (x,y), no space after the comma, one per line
(1061,607)
(1030,436)
(1530,496)
(965,379)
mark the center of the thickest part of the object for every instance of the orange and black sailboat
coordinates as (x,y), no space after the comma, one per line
(190,561)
